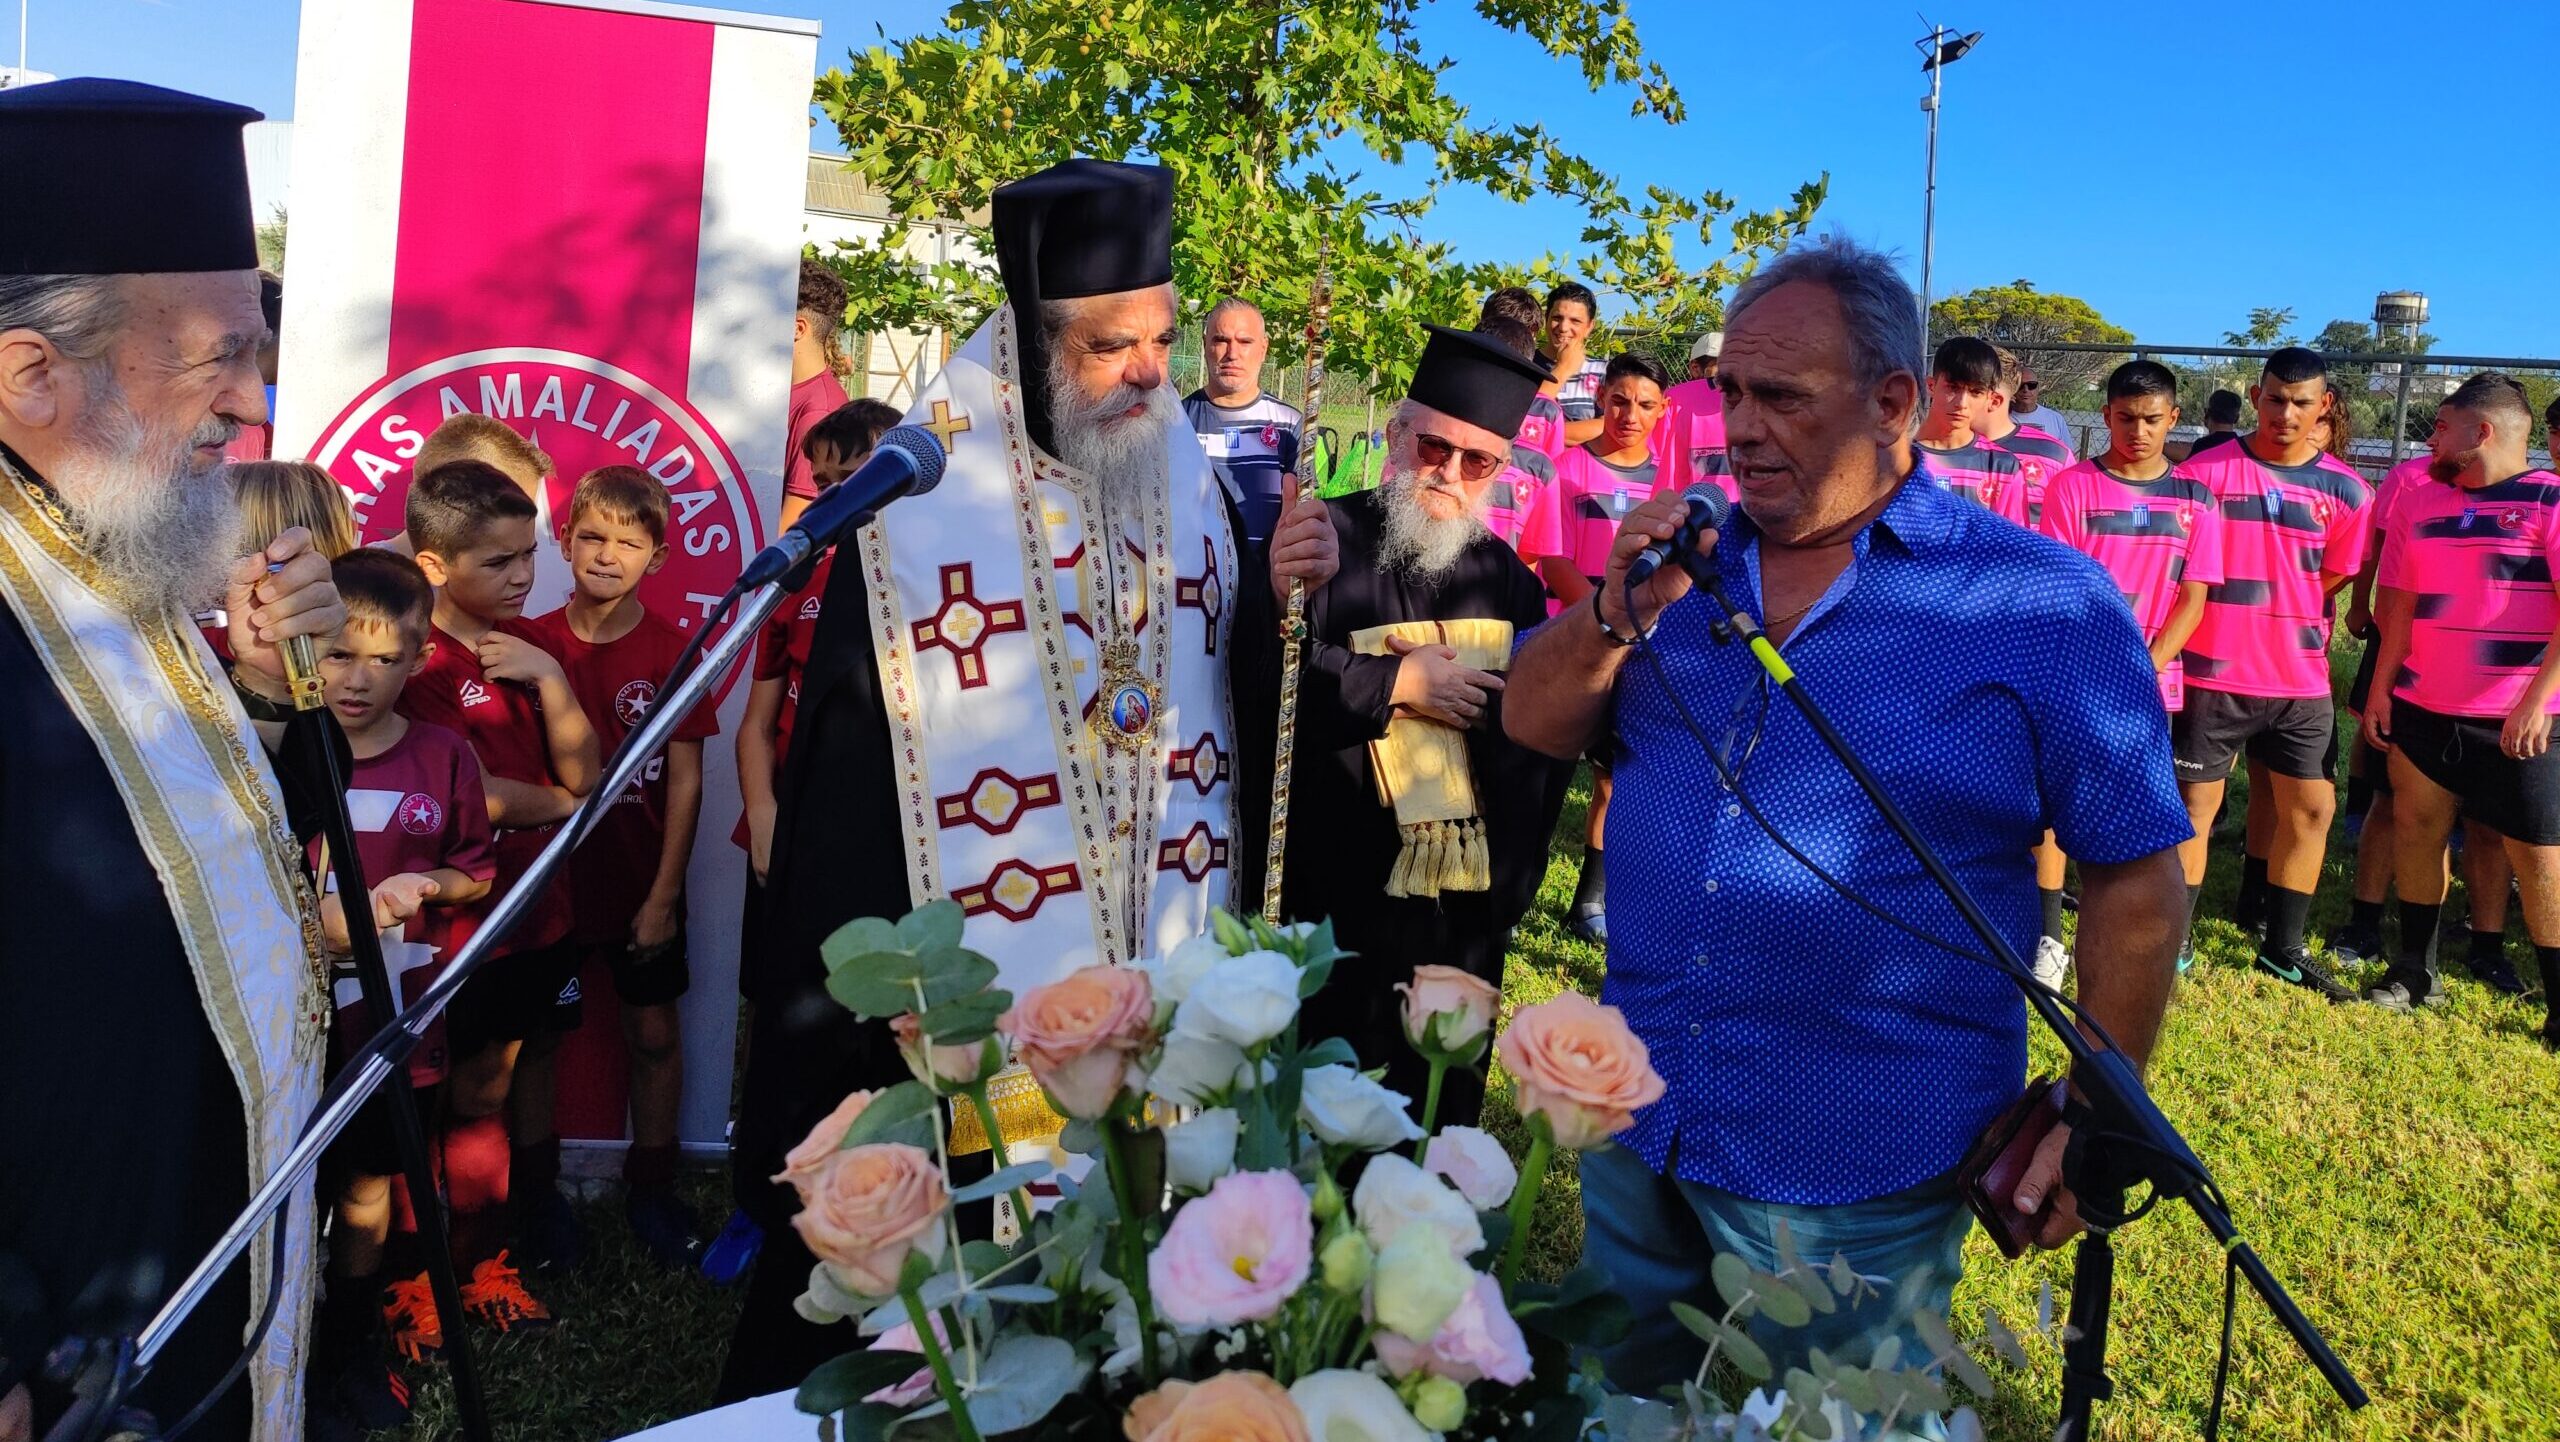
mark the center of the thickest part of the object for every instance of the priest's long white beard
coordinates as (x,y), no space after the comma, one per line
(1124,453)
(162,530)
(1421,545)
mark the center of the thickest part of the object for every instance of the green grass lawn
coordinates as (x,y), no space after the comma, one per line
(2400,1174)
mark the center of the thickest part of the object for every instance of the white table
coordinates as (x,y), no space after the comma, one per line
(760,1419)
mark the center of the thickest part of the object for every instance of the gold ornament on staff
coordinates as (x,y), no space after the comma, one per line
(1293,630)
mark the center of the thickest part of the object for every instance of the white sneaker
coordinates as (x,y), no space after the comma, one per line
(2052,963)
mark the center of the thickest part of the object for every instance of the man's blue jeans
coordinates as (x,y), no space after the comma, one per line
(1657,1237)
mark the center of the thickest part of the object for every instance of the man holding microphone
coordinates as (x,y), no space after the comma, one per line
(1828,1070)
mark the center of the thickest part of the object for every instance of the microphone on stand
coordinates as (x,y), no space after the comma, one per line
(907,462)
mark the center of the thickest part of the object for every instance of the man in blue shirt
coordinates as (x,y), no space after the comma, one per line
(1827,1070)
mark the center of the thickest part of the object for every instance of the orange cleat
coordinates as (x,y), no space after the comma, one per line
(409,1311)
(496,1298)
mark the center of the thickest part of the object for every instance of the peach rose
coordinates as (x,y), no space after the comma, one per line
(1078,1034)
(1230,1407)
(802,1164)
(1468,1000)
(868,1209)
(1576,1063)
(944,1068)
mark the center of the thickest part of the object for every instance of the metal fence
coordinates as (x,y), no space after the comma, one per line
(2390,398)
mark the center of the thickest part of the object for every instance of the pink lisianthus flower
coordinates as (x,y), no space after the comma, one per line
(1479,1340)
(1236,1254)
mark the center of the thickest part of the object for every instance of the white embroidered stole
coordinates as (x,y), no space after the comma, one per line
(987,630)
(204,805)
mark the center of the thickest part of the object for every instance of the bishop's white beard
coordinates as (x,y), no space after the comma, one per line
(162,530)
(1423,546)
(1124,454)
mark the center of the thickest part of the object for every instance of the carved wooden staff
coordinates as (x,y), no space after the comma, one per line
(1293,630)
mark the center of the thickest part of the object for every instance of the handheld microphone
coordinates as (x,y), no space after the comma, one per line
(1707,507)
(907,462)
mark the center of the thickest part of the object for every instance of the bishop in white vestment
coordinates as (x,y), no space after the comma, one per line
(1018,696)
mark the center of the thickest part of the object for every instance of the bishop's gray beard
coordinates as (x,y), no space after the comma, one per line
(1424,547)
(162,530)
(1124,454)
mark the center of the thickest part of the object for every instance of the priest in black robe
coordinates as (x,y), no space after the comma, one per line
(1065,386)
(1415,824)
(160,991)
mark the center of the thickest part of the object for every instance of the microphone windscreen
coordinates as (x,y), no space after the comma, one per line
(920,446)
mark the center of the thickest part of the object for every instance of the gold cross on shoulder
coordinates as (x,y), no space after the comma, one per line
(945,425)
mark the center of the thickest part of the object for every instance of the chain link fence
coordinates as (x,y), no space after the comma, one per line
(2389,399)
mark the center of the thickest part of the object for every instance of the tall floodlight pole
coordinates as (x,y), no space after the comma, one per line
(1939,49)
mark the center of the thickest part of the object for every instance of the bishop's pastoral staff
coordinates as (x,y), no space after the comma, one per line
(160,1037)
(1017,698)
(1417,826)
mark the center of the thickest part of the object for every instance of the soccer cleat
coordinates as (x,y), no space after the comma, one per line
(549,1236)
(2405,991)
(2297,965)
(733,1251)
(2498,974)
(2187,954)
(1589,922)
(2052,963)
(2354,946)
(664,1227)
(409,1312)
(495,1298)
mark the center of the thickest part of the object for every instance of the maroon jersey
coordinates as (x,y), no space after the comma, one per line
(503,723)
(811,402)
(616,682)
(416,807)
(782,654)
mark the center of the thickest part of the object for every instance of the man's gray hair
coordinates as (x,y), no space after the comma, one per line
(75,312)
(1233,302)
(1883,315)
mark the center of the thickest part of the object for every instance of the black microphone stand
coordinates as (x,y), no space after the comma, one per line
(316,737)
(2127,1138)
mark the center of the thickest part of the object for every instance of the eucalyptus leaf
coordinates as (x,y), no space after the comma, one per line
(965,1019)
(1020,1174)
(1021,1380)
(1080,1136)
(1844,1278)
(905,1113)
(1019,1294)
(1806,1392)
(1744,1353)
(2004,1342)
(949,973)
(1733,1279)
(1695,1320)
(932,926)
(841,1382)
(1934,1334)
(862,936)
(1781,1303)
(875,985)
(1961,1365)
(1964,1426)
(983,1258)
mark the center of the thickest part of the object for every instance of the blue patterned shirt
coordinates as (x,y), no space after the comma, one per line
(1996,683)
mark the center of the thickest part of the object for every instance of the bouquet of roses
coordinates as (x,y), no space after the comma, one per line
(1204,1273)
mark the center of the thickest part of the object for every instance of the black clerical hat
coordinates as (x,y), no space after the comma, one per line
(1084,227)
(108,177)
(1476,378)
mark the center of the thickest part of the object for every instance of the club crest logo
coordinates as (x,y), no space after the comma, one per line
(582,412)
(631,703)
(475,694)
(2186,515)
(2511,519)
(1270,434)
(420,814)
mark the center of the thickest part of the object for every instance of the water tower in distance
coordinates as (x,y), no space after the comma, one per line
(2398,314)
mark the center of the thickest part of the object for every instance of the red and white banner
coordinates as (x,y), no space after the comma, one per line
(581,217)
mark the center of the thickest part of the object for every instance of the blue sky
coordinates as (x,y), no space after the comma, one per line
(2173,176)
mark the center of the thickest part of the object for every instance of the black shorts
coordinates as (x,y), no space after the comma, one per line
(2513,797)
(654,979)
(369,1147)
(2291,736)
(516,997)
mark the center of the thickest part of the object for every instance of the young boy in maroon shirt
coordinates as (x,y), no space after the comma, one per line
(626,881)
(422,833)
(475,536)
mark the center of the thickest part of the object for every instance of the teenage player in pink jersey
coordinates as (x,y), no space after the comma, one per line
(2296,524)
(1690,444)
(2159,534)
(1571,531)
(2041,454)
(1964,383)
(2470,656)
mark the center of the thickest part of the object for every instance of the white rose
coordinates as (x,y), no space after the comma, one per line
(1201,1150)
(1396,1197)
(1473,1162)
(1416,1286)
(1244,1000)
(1347,1109)
(1191,1069)
(1175,973)
(1345,1406)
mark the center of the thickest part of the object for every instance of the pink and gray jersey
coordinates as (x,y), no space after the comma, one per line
(2480,564)
(1578,516)
(2151,536)
(1515,493)
(2289,533)
(2395,482)
(1980,471)
(1690,437)
(1541,430)
(2041,457)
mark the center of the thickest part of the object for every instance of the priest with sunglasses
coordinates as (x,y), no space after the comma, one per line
(1415,823)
